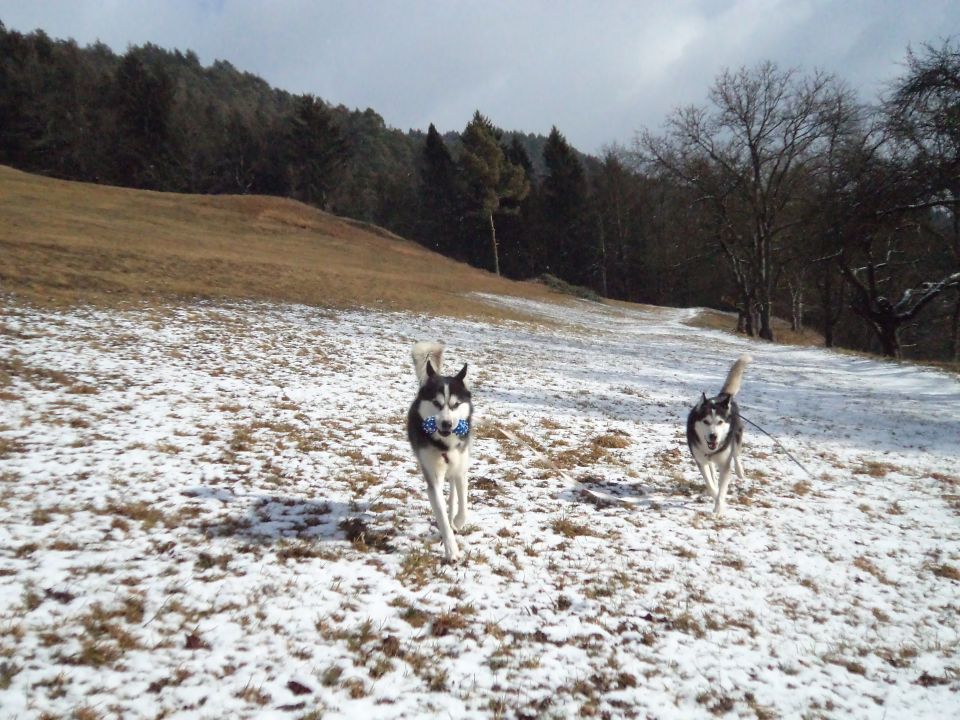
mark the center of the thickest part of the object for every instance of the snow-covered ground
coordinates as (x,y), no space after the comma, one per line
(211,511)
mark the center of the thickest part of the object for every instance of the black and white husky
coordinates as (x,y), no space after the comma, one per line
(715,434)
(438,426)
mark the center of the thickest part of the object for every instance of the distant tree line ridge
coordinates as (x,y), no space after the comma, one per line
(784,194)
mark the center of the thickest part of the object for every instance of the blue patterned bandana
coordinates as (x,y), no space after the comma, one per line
(429,426)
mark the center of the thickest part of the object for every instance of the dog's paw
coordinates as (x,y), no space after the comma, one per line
(459,521)
(451,555)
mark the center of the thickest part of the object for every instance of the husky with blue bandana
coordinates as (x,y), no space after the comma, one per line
(438,426)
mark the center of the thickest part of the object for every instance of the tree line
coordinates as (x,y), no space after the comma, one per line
(784,194)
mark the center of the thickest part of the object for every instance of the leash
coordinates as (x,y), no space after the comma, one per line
(779,444)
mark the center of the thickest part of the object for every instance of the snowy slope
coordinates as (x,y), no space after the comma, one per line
(211,511)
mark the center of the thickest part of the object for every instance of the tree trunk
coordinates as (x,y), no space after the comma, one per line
(955,320)
(741,321)
(826,304)
(493,244)
(766,331)
(603,261)
(796,308)
(955,328)
(888,333)
(764,282)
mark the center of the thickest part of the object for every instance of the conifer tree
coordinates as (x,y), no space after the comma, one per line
(520,253)
(565,206)
(437,221)
(316,150)
(144,102)
(493,184)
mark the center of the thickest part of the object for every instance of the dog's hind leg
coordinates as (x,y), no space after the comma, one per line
(738,465)
(435,493)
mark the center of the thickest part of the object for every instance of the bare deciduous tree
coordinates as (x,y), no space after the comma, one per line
(757,139)
(924,115)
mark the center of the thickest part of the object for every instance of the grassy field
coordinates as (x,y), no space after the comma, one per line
(65,243)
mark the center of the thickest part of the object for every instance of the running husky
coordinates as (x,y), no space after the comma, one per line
(438,426)
(715,434)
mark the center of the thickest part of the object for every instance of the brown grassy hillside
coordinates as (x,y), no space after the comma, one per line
(65,242)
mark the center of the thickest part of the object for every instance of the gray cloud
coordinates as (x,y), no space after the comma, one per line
(599,71)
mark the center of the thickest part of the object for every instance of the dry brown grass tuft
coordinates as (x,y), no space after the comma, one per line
(875,468)
(864,563)
(801,487)
(569,528)
(946,571)
(612,440)
(417,568)
(9,446)
(445,623)
(148,515)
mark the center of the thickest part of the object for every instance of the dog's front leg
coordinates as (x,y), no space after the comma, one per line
(721,500)
(458,486)
(706,469)
(435,493)
(452,499)
(452,504)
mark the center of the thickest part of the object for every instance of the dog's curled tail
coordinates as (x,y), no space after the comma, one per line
(427,351)
(732,384)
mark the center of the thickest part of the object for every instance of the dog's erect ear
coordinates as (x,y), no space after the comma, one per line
(463,373)
(430,371)
(723,402)
(703,400)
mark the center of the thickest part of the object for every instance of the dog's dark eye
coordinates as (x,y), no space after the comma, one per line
(437,403)
(454,405)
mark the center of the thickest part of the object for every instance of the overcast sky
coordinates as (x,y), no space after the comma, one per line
(599,71)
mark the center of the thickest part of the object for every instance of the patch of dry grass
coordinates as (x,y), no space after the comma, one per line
(599,449)
(946,571)
(716,320)
(875,468)
(569,528)
(867,565)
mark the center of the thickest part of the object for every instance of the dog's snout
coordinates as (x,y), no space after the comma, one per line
(446,425)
